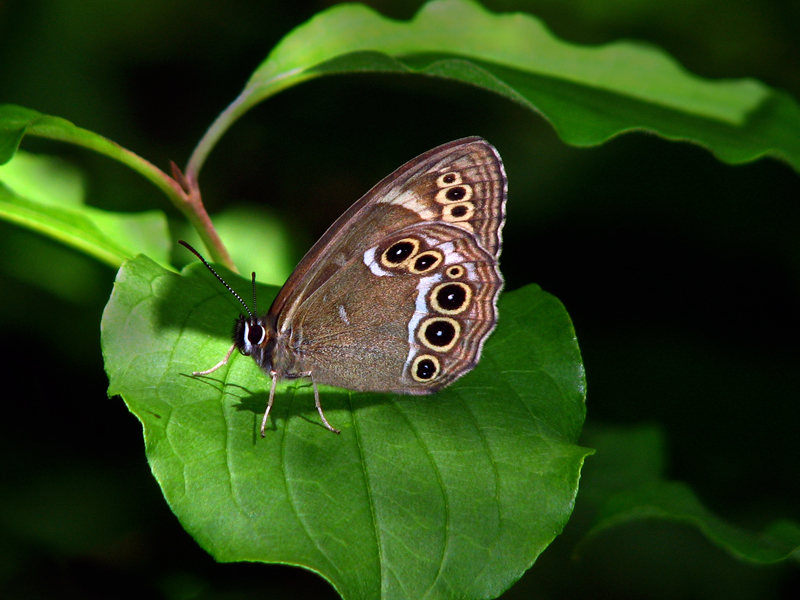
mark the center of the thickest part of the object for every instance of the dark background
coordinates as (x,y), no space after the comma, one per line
(680,273)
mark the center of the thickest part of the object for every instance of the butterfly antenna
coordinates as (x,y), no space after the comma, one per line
(229,288)
(255,302)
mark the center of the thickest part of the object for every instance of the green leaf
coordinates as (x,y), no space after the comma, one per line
(451,495)
(589,94)
(17,121)
(46,195)
(627,483)
(257,240)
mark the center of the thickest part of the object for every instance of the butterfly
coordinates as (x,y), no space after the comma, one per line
(400,293)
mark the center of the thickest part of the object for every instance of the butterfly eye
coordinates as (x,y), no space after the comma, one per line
(255,334)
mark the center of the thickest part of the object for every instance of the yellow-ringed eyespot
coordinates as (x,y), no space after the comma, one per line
(457,193)
(451,298)
(439,333)
(455,272)
(425,368)
(425,262)
(399,252)
(460,211)
(448,179)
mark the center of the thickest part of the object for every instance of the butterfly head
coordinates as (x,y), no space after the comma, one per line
(250,333)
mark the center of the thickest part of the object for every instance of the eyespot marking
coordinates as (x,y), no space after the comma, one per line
(439,333)
(399,252)
(425,368)
(456,212)
(455,272)
(451,298)
(425,262)
(456,193)
(448,179)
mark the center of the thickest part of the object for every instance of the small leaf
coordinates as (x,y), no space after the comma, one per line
(46,195)
(675,501)
(627,484)
(17,121)
(589,94)
(451,495)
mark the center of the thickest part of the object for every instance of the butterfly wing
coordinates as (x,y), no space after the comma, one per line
(400,293)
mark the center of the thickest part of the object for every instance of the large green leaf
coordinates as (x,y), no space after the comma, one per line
(451,495)
(589,94)
(46,195)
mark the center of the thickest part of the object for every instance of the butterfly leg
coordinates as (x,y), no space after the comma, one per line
(269,403)
(221,363)
(319,409)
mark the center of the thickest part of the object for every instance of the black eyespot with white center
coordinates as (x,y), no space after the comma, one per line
(451,298)
(426,262)
(439,333)
(399,252)
(425,368)
(455,194)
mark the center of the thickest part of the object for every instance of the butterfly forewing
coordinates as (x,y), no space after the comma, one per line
(406,197)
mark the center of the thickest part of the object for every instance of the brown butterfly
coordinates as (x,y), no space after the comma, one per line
(400,294)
